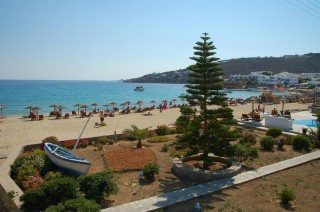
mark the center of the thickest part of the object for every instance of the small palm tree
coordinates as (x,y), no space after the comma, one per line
(139,134)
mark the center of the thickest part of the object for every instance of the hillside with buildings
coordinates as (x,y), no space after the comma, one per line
(243,67)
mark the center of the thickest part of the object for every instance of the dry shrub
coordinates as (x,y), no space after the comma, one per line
(127,159)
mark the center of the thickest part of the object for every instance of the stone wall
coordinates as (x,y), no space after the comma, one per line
(195,174)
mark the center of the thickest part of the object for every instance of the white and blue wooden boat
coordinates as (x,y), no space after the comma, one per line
(66,160)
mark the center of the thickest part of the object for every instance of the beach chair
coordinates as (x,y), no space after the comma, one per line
(41,117)
(74,113)
(59,116)
(287,114)
(245,117)
(33,117)
(66,116)
(256,117)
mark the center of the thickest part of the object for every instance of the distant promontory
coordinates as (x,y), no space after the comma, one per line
(307,63)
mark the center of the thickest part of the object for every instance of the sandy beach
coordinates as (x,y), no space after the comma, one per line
(17,130)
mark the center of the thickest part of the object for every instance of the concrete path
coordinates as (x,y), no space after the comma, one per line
(167,199)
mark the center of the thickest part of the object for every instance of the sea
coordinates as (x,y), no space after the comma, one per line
(16,95)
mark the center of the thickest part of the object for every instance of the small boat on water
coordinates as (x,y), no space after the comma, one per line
(66,160)
(139,88)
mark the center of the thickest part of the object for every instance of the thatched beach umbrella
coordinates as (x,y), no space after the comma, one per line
(54,107)
(61,107)
(78,105)
(174,101)
(85,107)
(253,99)
(128,102)
(95,105)
(165,102)
(36,109)
(2,107)
(107,105)
(113,103)
(123,105)
(153,102)
(29,107)
(182,99)
(139,103)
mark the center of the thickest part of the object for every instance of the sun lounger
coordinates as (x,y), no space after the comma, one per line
(33,117)
(41,117)
(74,113)
(256,117)
(59,116)
(66,116)
(245,117)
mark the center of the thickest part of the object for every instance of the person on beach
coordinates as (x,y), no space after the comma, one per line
(101,117)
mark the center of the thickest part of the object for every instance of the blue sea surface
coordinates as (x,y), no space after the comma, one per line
(16,95)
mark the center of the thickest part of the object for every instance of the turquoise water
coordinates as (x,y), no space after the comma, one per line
(18,94)
(306,122)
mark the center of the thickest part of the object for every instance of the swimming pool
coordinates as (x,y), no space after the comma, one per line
(306,122)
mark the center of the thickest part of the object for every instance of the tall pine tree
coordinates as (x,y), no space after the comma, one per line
(208,129)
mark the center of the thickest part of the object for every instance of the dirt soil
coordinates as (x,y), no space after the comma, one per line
(215,166)
(260,194)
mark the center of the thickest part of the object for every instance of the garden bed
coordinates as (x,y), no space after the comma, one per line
(128,181)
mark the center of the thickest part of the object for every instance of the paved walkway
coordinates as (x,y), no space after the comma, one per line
(167,199)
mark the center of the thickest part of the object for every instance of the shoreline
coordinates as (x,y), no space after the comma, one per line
(16,130)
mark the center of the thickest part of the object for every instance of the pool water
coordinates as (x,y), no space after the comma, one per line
(306,122)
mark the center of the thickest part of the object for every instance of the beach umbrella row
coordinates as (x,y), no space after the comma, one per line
(60,107)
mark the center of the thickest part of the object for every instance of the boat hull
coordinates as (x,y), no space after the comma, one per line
(68,162)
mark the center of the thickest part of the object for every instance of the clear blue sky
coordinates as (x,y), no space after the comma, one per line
(121,39)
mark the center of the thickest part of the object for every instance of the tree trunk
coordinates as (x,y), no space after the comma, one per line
(139,144)
(205,159)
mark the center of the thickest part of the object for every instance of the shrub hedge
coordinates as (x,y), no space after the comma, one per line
(274,132)
(267,142)
(301,142)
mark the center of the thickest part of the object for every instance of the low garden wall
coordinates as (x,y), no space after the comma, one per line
(7,184)
(195,174)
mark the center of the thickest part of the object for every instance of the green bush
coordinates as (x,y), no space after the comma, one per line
(99,146)
(80,205)
(102,140)
(162,130)
(30,164)
(248,137)
(164,148)
(158,139)
(50,139)
(173,131)
(285,140)
(301,142)
(267,142)
(244,153)
(98,186)
(128,135)
(53,192)
(52,175)
(287,195)
(149,170)
(274,132)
